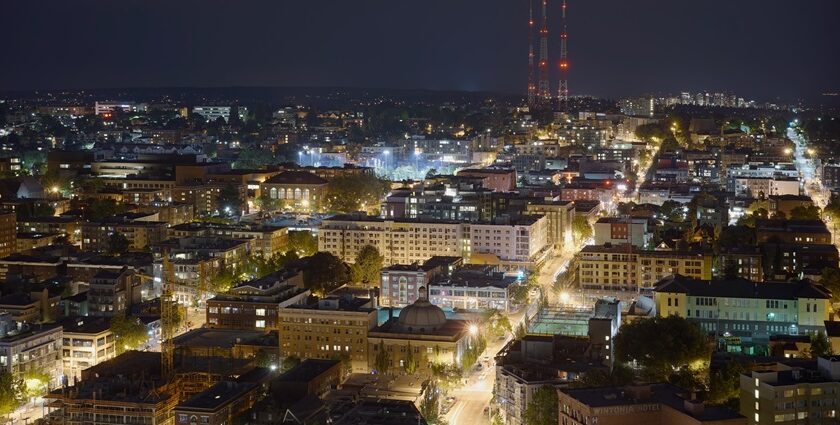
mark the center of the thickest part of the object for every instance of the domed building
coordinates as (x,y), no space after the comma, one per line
(420,337)
(421,315)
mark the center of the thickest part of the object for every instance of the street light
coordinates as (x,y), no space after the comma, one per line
(473,329)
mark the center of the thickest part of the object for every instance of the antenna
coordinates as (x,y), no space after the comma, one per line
(563,86)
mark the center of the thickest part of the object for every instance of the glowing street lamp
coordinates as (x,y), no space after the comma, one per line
(473,329)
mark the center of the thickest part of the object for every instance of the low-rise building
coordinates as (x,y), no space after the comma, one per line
(113,292)
(296,190)
(254,305)
(616,231)
(401,283)
(219,404)
(640,405)
(328,328)
(752,311)
(421,337)
(473,288)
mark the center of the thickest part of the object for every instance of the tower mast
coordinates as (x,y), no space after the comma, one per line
(543,90)
(532,87)
(563,86)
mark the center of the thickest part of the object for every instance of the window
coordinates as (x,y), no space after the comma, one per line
(260,312)
(260,323)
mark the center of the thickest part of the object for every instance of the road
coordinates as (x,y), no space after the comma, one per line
(812,183)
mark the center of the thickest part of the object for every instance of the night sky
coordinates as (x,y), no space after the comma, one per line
(757,48)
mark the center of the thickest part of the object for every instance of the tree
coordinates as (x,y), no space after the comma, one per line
(671,211)
(229,203)
(12,393)
(832,210)
(367,266)
(410,364)
(101,209)
(581,229)
(810,212)
(448,375)
(118,244)
(129,332)
(324,272)
(725,383)
(661,345)
(498,324)
(519,293)
(430,404)
(362,192)
(820,345)
(303,242)
(222,281)
(543,409)
(266,202)
(619,376)
(382,361)
(830,278)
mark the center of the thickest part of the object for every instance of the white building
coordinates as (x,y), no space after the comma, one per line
(404,241)
(36,348)
(474,289)
(514,244)
(212,113)
(617,231)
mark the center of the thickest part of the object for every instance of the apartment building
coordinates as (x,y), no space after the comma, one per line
(400,283)
(113,292)
(778,393)
(254,305)
(328,328)
(625,268)
(31,348)
(518,243)
(640,405)
(560,215)
(400,241)
(87,341)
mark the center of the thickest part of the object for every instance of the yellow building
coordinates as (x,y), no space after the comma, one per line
(743,309)
(623,267)
(330,328)
(421,337)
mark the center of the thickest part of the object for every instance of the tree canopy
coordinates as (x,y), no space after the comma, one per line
(303,242)
(543,409)
(367,267)
(362,192)
(324,272)
(581,229)
(12,393)
(662,344)
(128,331)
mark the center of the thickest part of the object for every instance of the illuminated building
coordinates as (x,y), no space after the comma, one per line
(421,335)
(626,268)
(328,328)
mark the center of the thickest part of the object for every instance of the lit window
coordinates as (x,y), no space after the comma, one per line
(260,312)
(260,323)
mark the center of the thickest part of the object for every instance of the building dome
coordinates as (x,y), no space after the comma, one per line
(421,316)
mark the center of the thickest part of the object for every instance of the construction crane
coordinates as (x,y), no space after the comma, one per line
(168,318)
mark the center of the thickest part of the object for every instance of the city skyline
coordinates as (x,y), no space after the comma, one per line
(616,50)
